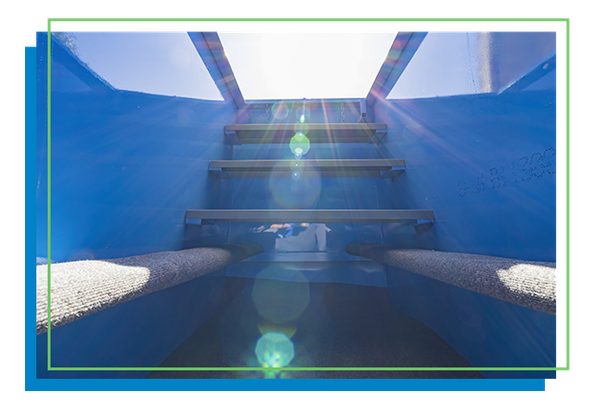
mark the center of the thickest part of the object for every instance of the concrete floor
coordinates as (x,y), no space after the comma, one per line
(329,324)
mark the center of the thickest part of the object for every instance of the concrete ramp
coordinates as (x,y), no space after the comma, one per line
(81,288)
(527,283)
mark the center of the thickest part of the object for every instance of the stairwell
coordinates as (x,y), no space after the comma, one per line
(309,157)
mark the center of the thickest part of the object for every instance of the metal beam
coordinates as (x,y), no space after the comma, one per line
(401,52)
(384,168)
(541,70)
(315,132)
(209,47)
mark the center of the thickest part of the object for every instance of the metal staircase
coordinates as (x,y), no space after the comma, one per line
(318,133)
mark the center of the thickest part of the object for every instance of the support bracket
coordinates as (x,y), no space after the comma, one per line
(377,136)
(219,173)
(415,222)
(393,172)
(232,138)
(363,110)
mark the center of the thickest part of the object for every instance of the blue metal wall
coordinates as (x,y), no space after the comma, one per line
(486,164)
(125,166)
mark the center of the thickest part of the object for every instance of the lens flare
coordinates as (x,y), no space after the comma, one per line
(278,301)
(300,193)
(299,144)
(286,329)
(412,132)
(280,110)
(274,350)
(301,127)
(302,113)
(296,167)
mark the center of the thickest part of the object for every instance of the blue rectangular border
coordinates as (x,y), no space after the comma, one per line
(30,214)
(289,385)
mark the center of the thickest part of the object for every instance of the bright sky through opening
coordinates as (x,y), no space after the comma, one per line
(164,63)
(273,66)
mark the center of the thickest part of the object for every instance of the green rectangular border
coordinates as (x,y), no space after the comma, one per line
(565,367)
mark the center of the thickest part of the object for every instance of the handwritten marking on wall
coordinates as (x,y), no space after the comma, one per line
(525,169)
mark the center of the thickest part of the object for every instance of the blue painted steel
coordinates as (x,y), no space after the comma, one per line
(393,172)
(377,136)
(126,166)
(232,138)
(211,50)
(138,333)
(403,49)
(219,173)
(337,267)
(486,165)
(539,72)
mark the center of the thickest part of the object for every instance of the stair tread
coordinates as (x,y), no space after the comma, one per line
(282,126)
(322,162)
(311,215)
(306,167)
(316,132)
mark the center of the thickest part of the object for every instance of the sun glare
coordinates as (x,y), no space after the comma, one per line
(271,66)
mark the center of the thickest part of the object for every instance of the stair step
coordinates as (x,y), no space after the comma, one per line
(316,133)
(385,168)
(402,216)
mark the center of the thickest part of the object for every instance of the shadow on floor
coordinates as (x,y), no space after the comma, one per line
(329,325)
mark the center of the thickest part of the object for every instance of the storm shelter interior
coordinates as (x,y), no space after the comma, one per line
(159,143)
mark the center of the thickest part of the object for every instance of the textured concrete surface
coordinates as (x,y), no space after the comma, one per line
(527,283)
(80,288)
(342,326)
